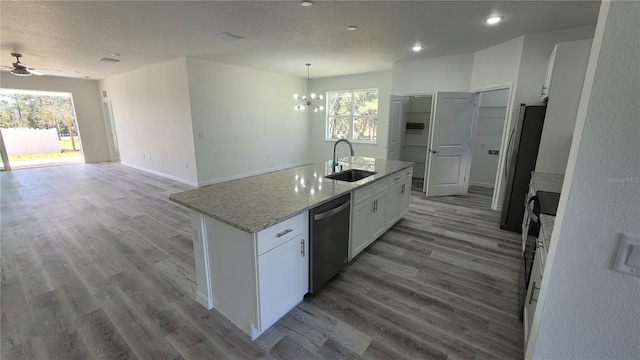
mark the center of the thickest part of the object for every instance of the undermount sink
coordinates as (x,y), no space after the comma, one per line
(351,175)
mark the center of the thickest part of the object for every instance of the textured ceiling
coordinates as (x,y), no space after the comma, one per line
(280,36)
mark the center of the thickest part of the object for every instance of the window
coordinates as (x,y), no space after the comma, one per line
(352,115)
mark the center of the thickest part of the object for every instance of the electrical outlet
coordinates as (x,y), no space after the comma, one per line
(186,165)
(494,152)
(200,135)
(267,157)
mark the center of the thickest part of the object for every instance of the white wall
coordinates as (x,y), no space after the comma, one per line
(246,119)
(488,136)
(153,120)
(497,65)
(426,76)
(589,311)
(319,149)
(86,101)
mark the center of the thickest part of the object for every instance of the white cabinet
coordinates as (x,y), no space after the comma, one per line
(565,88)
(405,192)
(282,279)
(377,207)
(531,300)
(378,217)
(253,279)
(360,227)
(544,94)
(533,291)
(368,220)
(393,204)
(398,198)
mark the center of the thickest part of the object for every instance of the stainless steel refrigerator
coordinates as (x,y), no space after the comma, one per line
(522,153)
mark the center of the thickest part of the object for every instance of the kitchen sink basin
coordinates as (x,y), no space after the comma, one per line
(351,175)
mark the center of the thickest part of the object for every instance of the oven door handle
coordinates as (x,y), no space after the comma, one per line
(533,216)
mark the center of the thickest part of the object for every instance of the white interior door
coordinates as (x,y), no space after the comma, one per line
(449,152)
(394,144)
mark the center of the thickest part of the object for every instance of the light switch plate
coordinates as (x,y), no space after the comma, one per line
(628,259)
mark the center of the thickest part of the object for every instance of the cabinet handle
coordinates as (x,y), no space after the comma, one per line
(396,179)
(402,191)
(532,290)
(283,233)
(376,206)
(542,91)
(302,247)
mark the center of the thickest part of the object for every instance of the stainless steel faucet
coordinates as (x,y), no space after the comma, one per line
(334,164)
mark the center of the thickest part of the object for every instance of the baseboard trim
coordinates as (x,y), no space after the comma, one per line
(481,184)
(161,174)
(252,173)
(202,300)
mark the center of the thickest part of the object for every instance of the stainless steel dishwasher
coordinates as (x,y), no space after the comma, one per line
(329,243)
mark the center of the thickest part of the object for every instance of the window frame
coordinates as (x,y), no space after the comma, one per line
(351,117)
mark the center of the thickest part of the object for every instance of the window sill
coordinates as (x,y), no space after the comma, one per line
(353,142)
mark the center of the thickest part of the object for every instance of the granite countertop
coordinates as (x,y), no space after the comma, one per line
(254,203)
(547,222)
(550,182)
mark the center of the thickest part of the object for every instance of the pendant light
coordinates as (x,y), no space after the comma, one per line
(308,100)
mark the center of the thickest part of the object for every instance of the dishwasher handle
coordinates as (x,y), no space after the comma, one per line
(332,212)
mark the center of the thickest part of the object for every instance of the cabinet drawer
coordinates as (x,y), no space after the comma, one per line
(407,173)
(396,178)
(379,186)
(361,194)
(280,233)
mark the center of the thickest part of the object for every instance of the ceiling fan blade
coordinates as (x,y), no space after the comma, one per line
(35,72)
(7,67)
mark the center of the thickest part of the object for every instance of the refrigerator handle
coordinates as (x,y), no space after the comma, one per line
(509,154)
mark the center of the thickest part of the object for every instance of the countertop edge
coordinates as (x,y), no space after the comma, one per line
(256,229)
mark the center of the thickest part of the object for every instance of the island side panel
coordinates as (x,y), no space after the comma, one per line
(204,291)
(232,270)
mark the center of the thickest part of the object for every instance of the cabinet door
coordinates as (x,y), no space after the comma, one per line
(278,281)
(378,218)
(393,204)
(405,192)
(532,296)
(360,224)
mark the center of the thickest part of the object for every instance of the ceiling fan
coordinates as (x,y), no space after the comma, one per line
(21,69)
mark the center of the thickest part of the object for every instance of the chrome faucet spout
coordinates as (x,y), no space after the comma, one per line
(334,163)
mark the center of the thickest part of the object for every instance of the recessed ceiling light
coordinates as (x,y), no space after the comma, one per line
(306,3)
(116,54)
(351,27)
(494,20)
(417,48)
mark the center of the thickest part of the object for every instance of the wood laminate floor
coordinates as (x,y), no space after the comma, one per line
(98,264)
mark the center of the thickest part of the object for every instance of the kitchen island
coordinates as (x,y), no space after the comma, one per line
(251,235)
